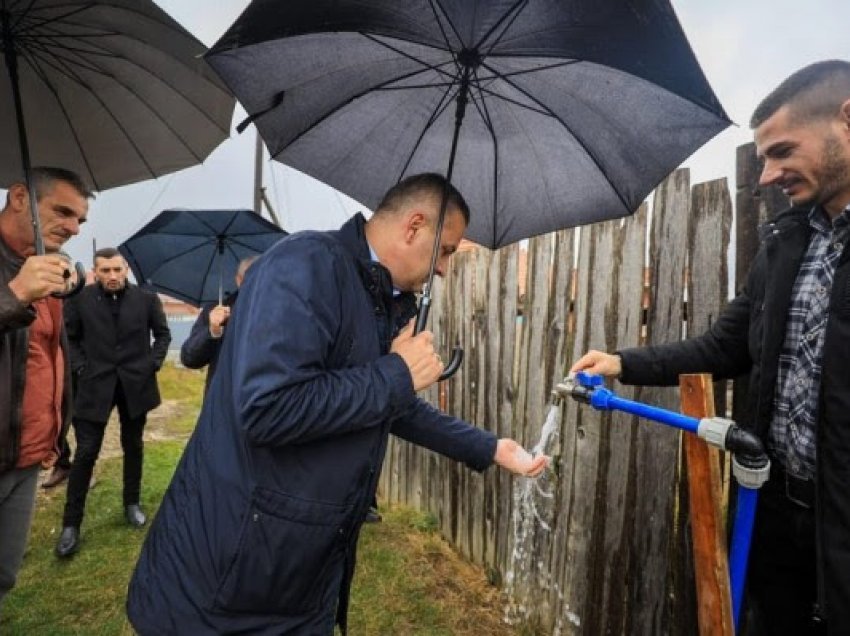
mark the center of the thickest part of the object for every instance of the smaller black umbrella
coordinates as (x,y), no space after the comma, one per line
(193,254)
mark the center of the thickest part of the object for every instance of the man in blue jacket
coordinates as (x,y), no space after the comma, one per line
(258,529)
(203,345)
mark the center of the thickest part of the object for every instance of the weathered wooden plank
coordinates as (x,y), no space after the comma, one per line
(656,551)
(586,517)
(619,572)
(558,355)
(504,381)
(711,566)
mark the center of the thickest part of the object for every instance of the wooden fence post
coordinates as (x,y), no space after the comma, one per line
(711,565)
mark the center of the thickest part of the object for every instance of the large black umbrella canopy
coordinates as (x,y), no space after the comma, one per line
(193,254)
(574,111)
(115,90)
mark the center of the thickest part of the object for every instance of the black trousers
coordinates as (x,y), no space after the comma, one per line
(89,440)
(782,576)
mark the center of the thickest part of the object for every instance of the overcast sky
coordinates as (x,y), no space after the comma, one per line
(745,48)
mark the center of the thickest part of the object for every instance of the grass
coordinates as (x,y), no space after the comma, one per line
(408,580)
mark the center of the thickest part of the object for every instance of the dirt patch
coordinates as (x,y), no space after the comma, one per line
(156,430)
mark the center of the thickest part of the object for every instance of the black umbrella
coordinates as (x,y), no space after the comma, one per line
(559,113)
(114,90)
(193,254)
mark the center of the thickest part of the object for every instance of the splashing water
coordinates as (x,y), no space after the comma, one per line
(533,510)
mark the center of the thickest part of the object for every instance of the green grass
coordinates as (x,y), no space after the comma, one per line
(407,582)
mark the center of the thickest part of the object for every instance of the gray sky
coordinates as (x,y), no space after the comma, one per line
(746,47)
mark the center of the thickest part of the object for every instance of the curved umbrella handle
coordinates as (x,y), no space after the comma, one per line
(453,365)
(457,352)
(78,287)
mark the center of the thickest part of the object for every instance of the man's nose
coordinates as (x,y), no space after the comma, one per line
(770,173)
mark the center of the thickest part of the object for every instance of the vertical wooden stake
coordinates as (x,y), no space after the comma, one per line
(711,565)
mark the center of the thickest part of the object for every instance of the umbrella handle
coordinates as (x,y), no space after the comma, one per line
(453,365)
(78,287)
(457,352)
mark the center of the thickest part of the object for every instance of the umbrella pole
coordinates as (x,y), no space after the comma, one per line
(425,301)
(12,65)
(220,269)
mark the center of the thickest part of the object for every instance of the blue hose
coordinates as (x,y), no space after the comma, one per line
(739,550)
(606,400)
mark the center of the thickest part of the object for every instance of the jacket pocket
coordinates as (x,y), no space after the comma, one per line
(285,548)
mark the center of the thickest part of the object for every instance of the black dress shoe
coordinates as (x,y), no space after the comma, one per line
(372,515)
(69,541)
(135,516)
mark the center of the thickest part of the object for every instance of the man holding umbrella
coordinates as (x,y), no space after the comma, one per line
(258,529)
(35,387)
(202,346)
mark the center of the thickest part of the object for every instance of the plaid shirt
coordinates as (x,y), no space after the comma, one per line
(792,438)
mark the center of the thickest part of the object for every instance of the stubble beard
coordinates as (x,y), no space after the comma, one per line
(833,174)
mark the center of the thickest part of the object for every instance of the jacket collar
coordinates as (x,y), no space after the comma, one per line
(376,278)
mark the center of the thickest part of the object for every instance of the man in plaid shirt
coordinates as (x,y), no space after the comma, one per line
(790,329)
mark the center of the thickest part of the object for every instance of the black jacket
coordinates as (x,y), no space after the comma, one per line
(15,320)
(748,337)
(104,352)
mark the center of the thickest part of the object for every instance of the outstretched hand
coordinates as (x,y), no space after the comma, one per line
(513,457)
(599,363)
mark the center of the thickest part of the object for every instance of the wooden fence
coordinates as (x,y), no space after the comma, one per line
(600,544)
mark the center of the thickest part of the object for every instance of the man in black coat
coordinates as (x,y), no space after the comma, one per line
(202,346)
(790,328)
(109,327)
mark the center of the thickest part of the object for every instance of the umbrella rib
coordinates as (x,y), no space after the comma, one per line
(44,78)
(445,35)
(580,141)
(21,16)
(57,18)
(75,77)
(128,9)
(516,9)
(213,231)
(427,67)
(105,52)
(481,80)
(339,107)
(168,259)
(439,109)
(40,73)
(488,121)
(515,102)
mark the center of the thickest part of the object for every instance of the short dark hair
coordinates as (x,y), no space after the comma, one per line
(814,92)
(106,252)
(43,178)
(417,185)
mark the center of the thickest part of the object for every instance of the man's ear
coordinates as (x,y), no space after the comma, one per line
(18,196)
(416,220)
(845,114)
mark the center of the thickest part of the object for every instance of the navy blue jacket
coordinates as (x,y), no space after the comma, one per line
(257,531)
(200,349)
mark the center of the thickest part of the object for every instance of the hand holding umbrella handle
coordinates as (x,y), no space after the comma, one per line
(457,352)
(78,286)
